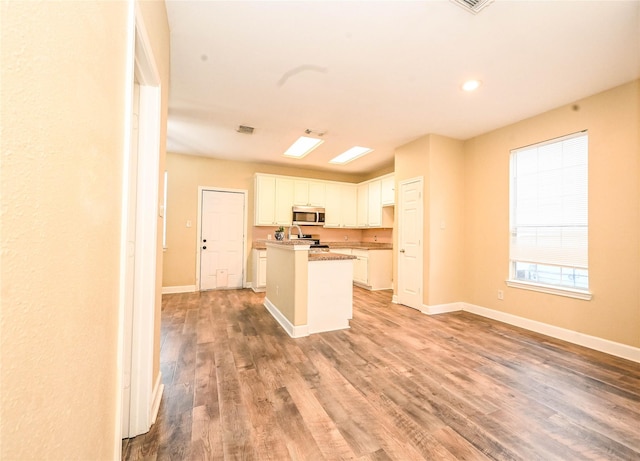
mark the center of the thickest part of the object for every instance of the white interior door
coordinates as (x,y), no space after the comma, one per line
(130,279)
(410,225)
(139,398)
(222,239)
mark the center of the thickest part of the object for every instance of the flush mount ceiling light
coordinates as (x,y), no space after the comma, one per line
(350,155)
(471,85)
(302,147)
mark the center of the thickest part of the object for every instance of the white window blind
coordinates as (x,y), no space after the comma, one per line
(549,212)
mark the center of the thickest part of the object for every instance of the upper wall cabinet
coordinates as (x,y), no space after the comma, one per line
(375,204)
(309,193)
(363,205)
(340,205)
(346,205)
(388,185)
(273,200)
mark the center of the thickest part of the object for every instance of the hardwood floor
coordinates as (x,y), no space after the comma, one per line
(398,385)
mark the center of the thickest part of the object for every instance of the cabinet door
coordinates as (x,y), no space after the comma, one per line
(262,269)
(317,193)
(300,192)
(375,204)
(333,205)
(388,191)
(265,205)
(363,205)
(349,206)
(308,193)
(283,201)
(360,270)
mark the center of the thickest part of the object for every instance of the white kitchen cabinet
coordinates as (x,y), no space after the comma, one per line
(273,200)
(309,193)
(346,205)
(388,185)
(333,205)
(341,205)
(259,282)
(284,201)
(375,204)
(349,211)
(363,205)
(265,201)
(361,266)
(373,269)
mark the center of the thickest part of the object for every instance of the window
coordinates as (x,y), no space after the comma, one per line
(549,217)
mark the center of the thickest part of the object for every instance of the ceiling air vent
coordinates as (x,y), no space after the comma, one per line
(244,129)
(473,6)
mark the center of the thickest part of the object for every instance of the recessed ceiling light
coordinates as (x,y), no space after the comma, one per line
(302,147)
(471,85)
(350,154)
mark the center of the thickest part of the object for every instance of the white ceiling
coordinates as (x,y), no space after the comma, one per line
(381,73)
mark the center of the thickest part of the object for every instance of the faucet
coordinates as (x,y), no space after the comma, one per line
(299,231)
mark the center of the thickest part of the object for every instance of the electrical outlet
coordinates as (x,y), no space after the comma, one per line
(500,294)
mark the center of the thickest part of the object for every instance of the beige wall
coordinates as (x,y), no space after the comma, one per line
(186,173)
(445,220)
(63,106)
(613,121)
(467,189)
(440,162)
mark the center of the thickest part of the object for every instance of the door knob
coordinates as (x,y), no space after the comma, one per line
(204,240)
(204,247)
(401,251)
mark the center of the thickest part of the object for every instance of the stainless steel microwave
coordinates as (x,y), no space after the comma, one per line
(308,216)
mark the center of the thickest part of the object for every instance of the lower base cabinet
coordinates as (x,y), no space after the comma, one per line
(372,269)
(259,276)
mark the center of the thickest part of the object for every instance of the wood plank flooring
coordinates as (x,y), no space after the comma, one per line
(398,385)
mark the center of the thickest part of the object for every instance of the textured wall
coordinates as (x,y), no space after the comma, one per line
(63,104)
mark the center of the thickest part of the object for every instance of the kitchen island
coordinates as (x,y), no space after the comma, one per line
(308,291)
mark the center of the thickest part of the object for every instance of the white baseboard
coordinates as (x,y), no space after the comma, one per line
(441,308)
(394,299)
(291,329)
(258,289)
(158,389)
(179,289)
(592,342)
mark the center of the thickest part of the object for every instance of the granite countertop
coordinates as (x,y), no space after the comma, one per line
(261,244)
(327,256)
(361,245)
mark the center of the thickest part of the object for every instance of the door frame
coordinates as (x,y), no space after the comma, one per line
(245,194)
(145,395)
(402,183)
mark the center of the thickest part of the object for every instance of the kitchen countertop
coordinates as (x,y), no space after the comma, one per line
(327,256)
(315,254)
(261,244)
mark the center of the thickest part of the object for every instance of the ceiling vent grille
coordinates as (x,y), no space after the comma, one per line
(244,129)
(473,6)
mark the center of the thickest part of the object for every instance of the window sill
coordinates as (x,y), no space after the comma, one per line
(578,294)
